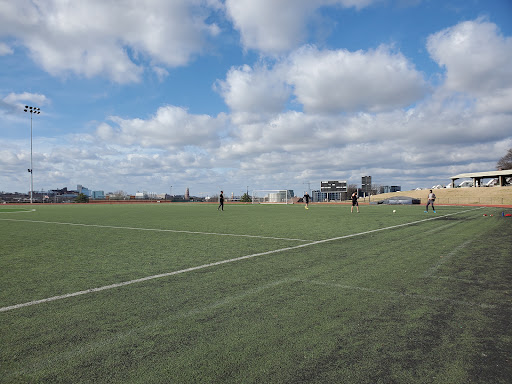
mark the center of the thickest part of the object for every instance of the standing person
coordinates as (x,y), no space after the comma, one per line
(306,199)
(354,202)
(431,199)
(221,201)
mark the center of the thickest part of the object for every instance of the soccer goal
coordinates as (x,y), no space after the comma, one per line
(272,196)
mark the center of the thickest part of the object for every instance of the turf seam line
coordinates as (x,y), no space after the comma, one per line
(106,342)
(432,270)
(440,228)
(402,294)
(155,230)
(147,278)
(469,281)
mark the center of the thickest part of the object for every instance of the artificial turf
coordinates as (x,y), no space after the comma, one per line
(324,296)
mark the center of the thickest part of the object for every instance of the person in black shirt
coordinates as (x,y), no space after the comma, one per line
(354,202)
(306,199)
(221,201)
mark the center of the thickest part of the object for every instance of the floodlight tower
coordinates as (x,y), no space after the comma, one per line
(37,111)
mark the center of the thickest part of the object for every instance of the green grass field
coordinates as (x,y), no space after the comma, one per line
(182,293)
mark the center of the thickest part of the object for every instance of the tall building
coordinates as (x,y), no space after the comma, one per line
(187,194)
(81,189)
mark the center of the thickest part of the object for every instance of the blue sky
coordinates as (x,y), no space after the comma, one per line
(268,94)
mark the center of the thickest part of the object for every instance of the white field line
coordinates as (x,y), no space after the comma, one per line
(147,278)
(31,210)
(155,230)
(400,294)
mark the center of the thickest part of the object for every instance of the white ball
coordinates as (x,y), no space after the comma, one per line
(394,210)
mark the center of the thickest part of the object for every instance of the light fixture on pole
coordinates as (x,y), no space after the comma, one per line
(37,111)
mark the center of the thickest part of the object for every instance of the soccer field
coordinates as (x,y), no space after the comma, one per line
(183,293)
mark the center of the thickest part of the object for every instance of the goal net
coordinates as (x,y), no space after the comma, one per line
(272,196)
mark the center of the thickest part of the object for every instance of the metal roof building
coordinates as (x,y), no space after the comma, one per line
(478,176)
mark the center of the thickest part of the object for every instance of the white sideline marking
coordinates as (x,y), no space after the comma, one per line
(155,229)
(400,294)
(30,210)
(147,278)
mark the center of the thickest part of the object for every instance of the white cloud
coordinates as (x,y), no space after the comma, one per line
(5,49)
(257,91)
(269,25)
(324,81)
(499,101)
(109,38)
(171,127)
(477,58)
(278,26)
(413,131)
(20,99)
(14,103)
(161,73)
(336,81)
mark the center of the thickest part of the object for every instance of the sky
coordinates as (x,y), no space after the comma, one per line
(164,95)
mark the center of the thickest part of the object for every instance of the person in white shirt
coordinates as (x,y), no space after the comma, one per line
(431,199)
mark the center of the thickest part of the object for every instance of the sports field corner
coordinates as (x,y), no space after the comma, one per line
(255,294)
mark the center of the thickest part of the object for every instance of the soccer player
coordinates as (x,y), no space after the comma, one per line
(431,199)
(221,201)
(306,199)
(354,202)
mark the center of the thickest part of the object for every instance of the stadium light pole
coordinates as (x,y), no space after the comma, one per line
(37,111)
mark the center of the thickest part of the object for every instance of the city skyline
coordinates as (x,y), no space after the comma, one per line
(238,95)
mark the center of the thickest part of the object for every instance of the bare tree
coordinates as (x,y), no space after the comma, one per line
(119,195)
(505,162)
(351,189)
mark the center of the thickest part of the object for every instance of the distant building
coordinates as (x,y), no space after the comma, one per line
(388,189)
(98,195)
(187,194)
(86,191)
